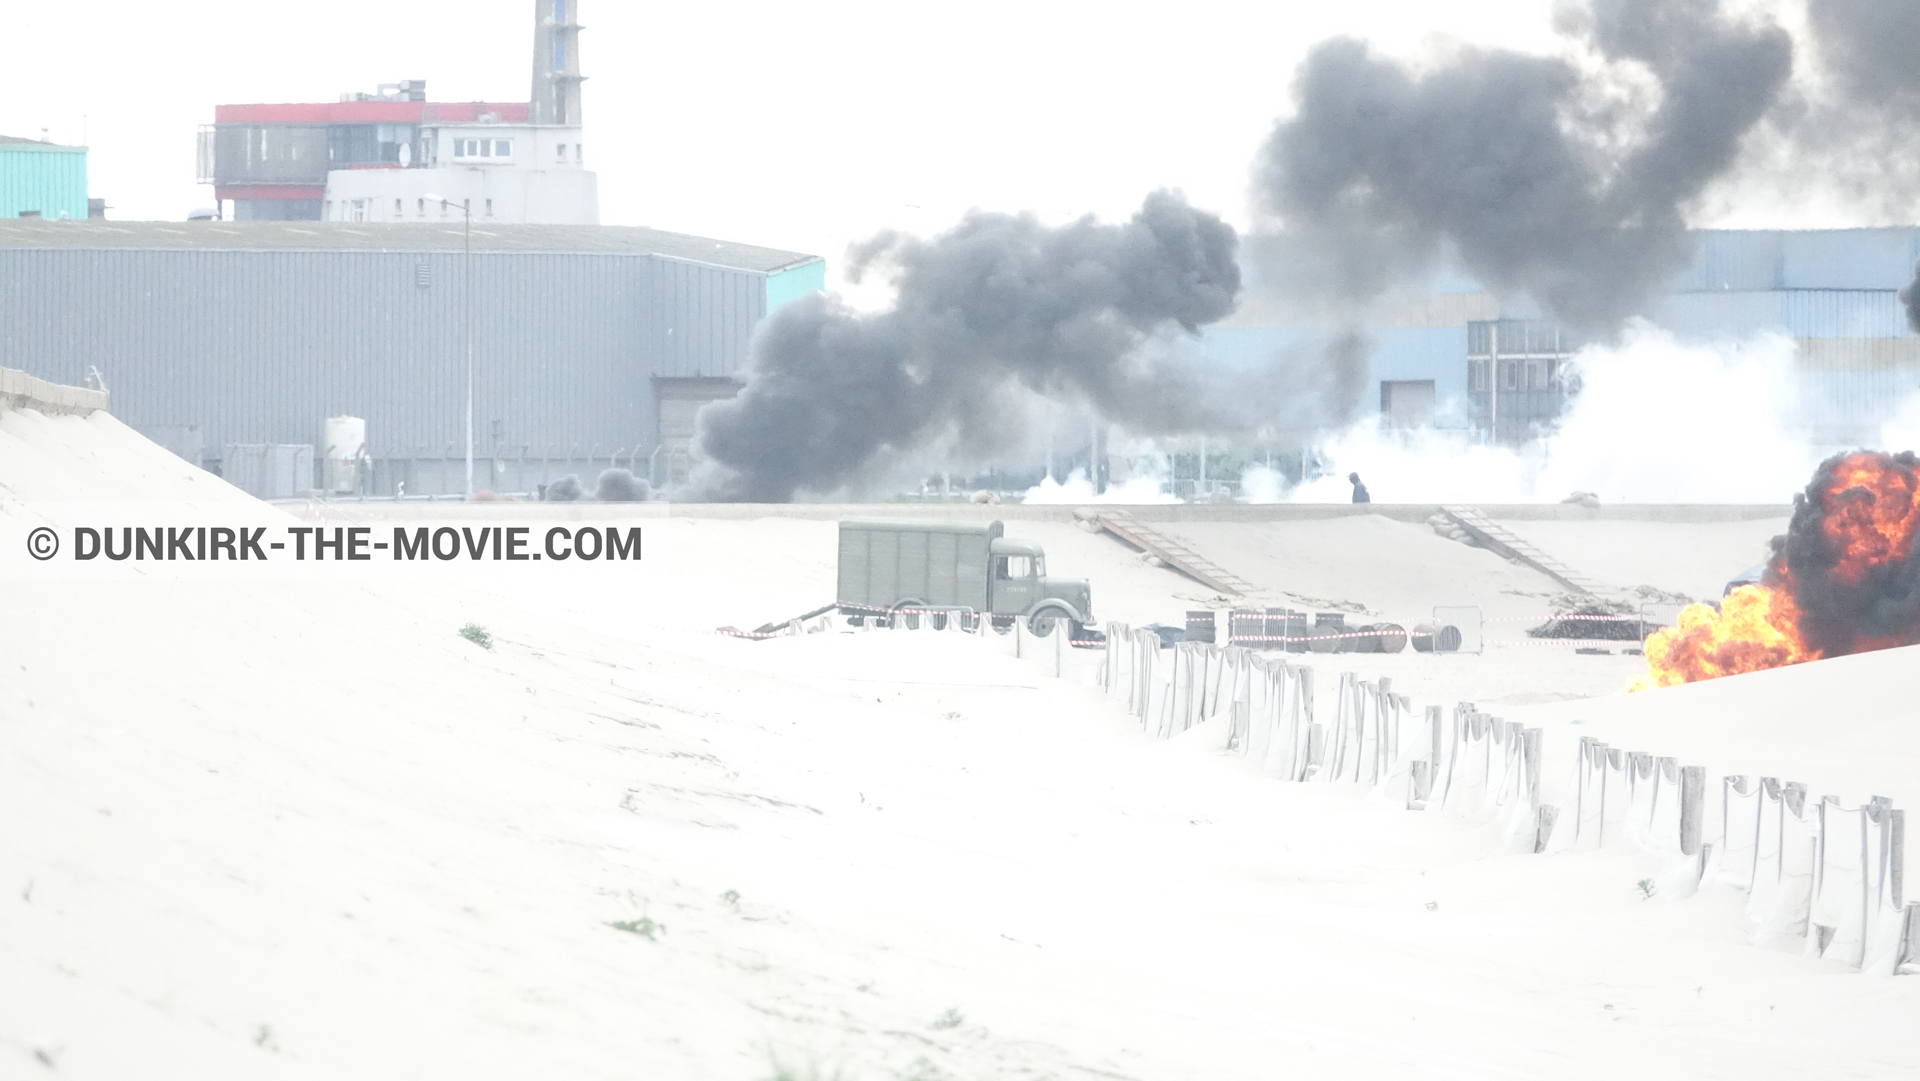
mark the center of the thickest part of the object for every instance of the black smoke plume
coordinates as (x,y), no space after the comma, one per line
(1873,46)
(1850,124)
(621,486)
(1847,556)
(1515,165)
(565,490)
(614,486)
(1001,304)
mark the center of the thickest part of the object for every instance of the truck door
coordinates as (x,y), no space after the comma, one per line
(1016,586)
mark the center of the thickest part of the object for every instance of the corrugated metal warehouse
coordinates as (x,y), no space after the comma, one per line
(592,345)
(42,179)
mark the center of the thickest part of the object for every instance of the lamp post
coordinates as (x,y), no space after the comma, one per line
(466,274)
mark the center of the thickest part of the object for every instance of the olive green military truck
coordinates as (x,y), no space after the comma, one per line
(893,571)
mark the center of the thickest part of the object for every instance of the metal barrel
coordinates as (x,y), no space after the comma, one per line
(1389,637)
(1423,637)
(1325,626)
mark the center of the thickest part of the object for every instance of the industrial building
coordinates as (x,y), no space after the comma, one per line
(593,346)
(392,156)
(1460,358)
(39,179)
(388,256)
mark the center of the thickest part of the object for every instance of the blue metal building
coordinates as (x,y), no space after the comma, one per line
(42,180)
(1834,292)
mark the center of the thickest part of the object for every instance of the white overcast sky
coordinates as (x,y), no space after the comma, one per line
(799,126)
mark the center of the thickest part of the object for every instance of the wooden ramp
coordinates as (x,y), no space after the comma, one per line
(1171,552)
(1502,542)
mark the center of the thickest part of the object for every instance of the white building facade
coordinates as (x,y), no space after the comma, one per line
(529,171)
(531,174)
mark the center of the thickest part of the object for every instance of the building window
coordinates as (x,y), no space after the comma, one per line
(444,210)
(396,208)
(421,209)
(560,11)
(359,210)
(562,149)
(579,152)
(483,148)
(489,208)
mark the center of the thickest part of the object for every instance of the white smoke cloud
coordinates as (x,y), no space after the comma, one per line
(1263,484)
(1078,489)
(1655,422)
(1902,430)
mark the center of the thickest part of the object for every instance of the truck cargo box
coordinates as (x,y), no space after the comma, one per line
(884,564)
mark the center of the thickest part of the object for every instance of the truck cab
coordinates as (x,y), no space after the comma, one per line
(1019,586)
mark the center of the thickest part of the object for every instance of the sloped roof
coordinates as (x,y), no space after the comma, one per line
(36,144)
(340,236)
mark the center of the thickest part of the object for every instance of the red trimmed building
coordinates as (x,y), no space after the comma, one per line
(393,156)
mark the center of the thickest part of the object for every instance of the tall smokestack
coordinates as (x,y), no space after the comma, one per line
(556,62)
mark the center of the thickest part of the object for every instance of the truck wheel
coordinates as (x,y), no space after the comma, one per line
(1041,623)
(1003,624)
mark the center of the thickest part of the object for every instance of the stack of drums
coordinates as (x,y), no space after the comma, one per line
(1245,627)
(1293,627)
(1379,638)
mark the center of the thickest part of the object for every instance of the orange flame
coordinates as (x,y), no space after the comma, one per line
(1757,627)
(1865,507)
(1869,515)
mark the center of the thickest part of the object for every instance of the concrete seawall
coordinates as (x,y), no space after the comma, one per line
(419,510)
(18,390)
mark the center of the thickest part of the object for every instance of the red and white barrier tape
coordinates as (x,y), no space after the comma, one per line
(1627,618)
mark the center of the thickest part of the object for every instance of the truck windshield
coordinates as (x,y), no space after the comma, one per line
(1039,566)
(1007,567)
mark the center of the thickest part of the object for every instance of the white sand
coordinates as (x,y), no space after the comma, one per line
(1696,558)
(299,828)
